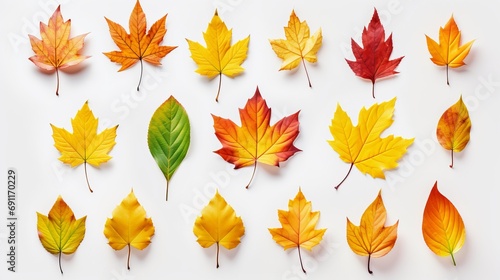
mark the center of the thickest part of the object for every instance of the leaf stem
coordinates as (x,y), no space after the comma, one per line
(87,177)
(453,259)
(307,73)
(140,78)
(253,174)
(373,89)
(166,195)
(451,165)
(217,255)
(447,78)
(218,90)
(348,172)
(57,78)
(369,258)
(60,267)
(128,258)
(300,258)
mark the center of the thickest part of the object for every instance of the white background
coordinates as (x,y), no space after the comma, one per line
(28,105)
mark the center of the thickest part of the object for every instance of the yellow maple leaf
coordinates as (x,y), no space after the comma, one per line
(218,224)
(56,50)
(448,52)
(298,226)
(372,238)
(129,226)
(84,145)
(60,232)
(219,57)
(361,145)
(298,45)
(453,130)
(138,45)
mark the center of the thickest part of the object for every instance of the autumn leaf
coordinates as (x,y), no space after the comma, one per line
(84,145)
(56,50)
(361,145)
(298,45)
(138,45)
(453,130)
(218,224)
(60,232)
(169,137)
(372,238)
(442,225)
(448,52)
(372,61)
(219,57)
(298,226)
(256,141)
(129,226)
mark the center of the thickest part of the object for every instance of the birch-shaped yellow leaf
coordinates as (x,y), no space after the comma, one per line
(218,224)
(129,226)
(219,57)
(60,232)
(361,145)
(84,145)
(453,129)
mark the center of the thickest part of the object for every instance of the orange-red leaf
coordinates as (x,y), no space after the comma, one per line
(256,140)
(442,225)
(372,61)
(138,45)
(453,130)
(372,238)
(56,50)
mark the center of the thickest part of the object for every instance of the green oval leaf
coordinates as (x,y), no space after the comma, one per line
(169,137)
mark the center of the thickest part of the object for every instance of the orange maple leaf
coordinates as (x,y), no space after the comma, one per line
(256,141)
(298,226)
(56,50)
(138,46)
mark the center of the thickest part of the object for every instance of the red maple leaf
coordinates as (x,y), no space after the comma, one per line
(372,61)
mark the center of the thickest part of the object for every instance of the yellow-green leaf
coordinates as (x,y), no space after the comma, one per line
(60,232)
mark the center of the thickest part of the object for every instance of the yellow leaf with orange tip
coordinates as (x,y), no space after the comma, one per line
(138,45)
(129,226)
(442,225)
(448,52)
(56,50)
(298,226)
(60,232)
(361,145)
(453,129)
(298,46)
(84,145)
(218,224)
(372,238)
(219,57)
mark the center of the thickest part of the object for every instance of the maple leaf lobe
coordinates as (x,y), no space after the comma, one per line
(373,59)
